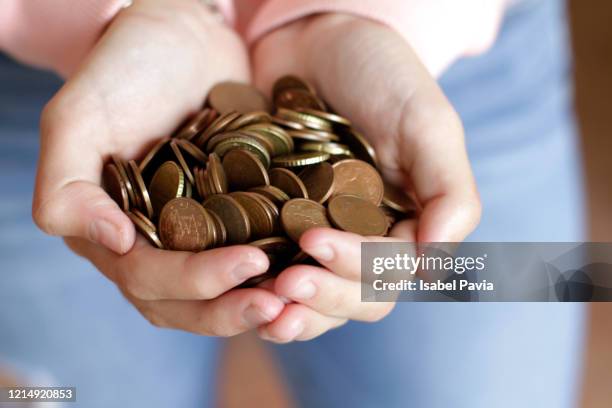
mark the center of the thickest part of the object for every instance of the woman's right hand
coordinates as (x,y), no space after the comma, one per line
(152,67)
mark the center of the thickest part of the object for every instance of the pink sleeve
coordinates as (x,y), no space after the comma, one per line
(53,34)
(440,31)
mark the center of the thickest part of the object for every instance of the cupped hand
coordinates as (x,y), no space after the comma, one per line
(153,67)
(369,74)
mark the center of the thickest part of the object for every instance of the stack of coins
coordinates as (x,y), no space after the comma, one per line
(244,171)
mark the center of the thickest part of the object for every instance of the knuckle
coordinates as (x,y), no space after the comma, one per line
(44,213)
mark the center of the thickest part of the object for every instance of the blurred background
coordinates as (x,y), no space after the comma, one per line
(252,372)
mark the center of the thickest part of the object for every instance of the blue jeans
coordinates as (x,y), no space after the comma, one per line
(61,322)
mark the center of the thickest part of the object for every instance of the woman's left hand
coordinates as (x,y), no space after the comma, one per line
(369,74)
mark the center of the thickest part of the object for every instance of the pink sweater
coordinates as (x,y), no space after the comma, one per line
(57,34)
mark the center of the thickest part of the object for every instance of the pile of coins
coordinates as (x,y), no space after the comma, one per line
(243,172)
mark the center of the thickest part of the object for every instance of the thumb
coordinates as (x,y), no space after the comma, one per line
(68,199)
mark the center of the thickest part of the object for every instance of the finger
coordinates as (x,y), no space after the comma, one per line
(338,251)
(328,294)
(406,230)
(298,322)
(232,313)
(68,199)
(149,273)
(423,135)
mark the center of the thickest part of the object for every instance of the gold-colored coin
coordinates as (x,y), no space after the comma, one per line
(235,96)
(283,143)
(334,149)
(287,123)
(246,143)
(356,177)
(300,159)
(328,116)
(115,187)
(306,119)
(319,181)
(310,135)
(288,182)
(299,215)
(354,214)
(244,170)
(263,139)
(167,183)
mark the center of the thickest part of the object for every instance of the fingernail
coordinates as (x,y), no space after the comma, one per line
(246,270)
(104,233)
(322,253)
(296,329)
(303,291)
(255,316)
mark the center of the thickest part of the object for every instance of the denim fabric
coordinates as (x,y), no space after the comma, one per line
(62,322)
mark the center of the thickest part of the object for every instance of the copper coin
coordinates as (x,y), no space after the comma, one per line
(144,219)
(115,187)
(145,229)
(157,148)
(217,126)
(235,96)
(275,194)
(250,118)
(271,209)
(356,177)
(319,181)
(298,98)
(355,214)
(196,124)
(299,215)
(167,183)
(278,248)
(121,166)
(184,225)
(262,222)
(192,150)
(216,175)
(221,231)
(233,215)
(244,170)
(359,145)
(291,82)
(287,181)
(178,154)
(188,189)
(397,199)
(140,189)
